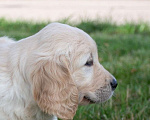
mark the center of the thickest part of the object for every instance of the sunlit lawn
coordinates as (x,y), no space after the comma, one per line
(124,50)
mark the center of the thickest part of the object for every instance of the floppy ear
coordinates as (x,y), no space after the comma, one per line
(54,89)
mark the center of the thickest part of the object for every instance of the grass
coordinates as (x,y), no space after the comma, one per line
(124,50)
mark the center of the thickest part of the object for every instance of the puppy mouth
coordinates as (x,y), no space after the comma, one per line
(87,99)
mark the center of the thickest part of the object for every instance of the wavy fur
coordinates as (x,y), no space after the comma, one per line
(45,75)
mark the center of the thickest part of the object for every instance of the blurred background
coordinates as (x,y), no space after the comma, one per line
(119,11)
(121,29)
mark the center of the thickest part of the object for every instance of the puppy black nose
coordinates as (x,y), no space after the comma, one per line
(113,84)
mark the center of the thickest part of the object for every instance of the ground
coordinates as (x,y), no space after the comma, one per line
(124,50)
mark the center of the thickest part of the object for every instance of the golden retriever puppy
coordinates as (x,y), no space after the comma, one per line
(49,74)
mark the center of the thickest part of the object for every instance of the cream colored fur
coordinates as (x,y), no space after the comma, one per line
(45,75)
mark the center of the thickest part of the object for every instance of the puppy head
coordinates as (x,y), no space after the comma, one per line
(65,71)
(95,84)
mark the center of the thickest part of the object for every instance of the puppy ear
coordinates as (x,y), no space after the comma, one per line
(54,89)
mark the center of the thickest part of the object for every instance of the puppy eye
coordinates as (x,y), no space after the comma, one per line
(89,63)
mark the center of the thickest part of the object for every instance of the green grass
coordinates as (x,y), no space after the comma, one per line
(124,50)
